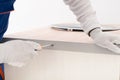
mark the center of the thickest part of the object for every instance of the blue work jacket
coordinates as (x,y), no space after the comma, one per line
(5,7)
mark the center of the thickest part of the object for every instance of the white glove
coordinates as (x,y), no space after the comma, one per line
(87,17)
(106,40)
(18,52)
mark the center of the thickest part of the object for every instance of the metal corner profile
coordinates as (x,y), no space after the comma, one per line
(68,46)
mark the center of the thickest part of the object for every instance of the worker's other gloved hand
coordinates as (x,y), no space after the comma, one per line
(18,52)
(106,40)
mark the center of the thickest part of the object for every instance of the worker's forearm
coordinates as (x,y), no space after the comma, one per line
(84,13)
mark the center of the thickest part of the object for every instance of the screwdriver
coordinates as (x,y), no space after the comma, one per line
(45,46)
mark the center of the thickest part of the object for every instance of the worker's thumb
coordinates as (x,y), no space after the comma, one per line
(35,46)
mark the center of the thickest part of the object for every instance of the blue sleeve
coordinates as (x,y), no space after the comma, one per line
(4,20)
(6,5)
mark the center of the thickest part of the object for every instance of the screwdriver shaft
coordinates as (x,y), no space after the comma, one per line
(44,46)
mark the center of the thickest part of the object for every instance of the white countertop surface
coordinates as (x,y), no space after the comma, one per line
(72,58)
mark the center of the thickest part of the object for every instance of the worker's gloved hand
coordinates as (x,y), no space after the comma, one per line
(106,40)
(18,52)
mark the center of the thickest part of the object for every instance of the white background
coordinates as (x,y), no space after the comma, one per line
(31,14)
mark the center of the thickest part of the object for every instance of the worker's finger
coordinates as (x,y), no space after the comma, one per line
(17,64)
(111,46)
(34,45)
(116,40)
